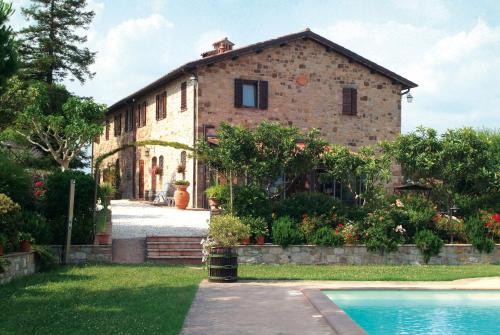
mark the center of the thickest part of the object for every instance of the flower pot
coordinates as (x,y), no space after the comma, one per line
(181,197)
(245,241)
(260,239)
(222,265)
(1,250)
(103,239)
(25,246)
(213,203)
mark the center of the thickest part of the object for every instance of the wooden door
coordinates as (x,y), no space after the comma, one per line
(153,177)
(141,179)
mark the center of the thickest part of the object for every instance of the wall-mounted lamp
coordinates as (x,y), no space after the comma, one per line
(146,152)
(409,98)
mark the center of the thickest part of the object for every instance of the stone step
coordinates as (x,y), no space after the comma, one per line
(129,250)
(174,245)
(174,239)
(183,252)
(177,261)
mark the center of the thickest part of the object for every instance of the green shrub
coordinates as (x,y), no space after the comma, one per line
(257,225)
(383,234)
(4,262)
(182,182)
(15,182)
(227,230)
(106,193)
(10,220)
(249,200)
(477,234)
(286,232)
(309,225)
(218,192)
(312,204)
(45,257)
(326,236)
(420,212)
(56,207)
(428,243)
(37,225)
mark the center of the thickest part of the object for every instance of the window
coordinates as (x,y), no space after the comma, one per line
(143,114)
(183,96)
(250,93)
(118,124)
(349,101)
(161,106)
(107,129)
(160,162)
(129,119)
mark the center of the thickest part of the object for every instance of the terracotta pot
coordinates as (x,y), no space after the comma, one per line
(1,250)
(103,239)
(181,197)
(25,246)
(260,239)
(214,203)
(245,241)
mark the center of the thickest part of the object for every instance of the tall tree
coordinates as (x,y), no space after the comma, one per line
(51,47)
(8,54)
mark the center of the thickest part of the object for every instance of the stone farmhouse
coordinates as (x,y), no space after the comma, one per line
(301,79)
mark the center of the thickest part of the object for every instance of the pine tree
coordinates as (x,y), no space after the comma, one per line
(8,54)
(51,47)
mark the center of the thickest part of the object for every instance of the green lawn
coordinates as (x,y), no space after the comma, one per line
(149,299)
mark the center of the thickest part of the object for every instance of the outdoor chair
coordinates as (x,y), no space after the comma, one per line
(165,197)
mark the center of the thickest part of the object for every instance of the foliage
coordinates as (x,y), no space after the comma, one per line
(102,220)
(311,204)
(38,226)
(57,205)
(257,225)
(182,182)
(106,192)
(326,236)
(218,192)
(50,45)
(373,169)
(62,132)
(3,240)
(4,262)
(44,257)
(349,232)
(285,232)
(15,182)
(451,228)
(227,230)
(8,52)
(428,243)
(419,210)
(384,234)
(477,234)
(10,220)
(23,236)
(248,200)
(310,224)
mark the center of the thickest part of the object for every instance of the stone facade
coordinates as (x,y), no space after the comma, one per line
(305,83)
(451,254)
(80,254)
(21,264)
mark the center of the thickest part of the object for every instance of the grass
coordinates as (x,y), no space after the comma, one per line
(149,299)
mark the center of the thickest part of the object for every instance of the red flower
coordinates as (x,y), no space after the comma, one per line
(39,184)
(37,193)
(496,217)
(489,224)
(340,225)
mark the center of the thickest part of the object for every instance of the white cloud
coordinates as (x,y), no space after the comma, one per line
(456,72)
(433,10)
(204,42)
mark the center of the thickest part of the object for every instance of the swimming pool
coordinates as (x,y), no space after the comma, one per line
(421,311)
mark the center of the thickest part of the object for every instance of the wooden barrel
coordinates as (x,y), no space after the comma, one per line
(222,265)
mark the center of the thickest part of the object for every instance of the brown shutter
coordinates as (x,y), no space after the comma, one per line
(238,93)
(120,124)
(107,129)
(144,113)
(263,94)
(97,139)
(157,107)
(346,101)
(126,119)
(164,104)
(183,96)
(354,101)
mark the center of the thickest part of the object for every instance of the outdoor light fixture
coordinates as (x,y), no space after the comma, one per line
(146,152)
(409,98)
(193,79)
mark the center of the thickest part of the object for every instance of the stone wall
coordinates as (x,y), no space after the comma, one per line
(86,253)
(451,254)
(21,264)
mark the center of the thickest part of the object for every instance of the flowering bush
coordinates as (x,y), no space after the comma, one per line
(383,234)
(492,225)
(326,236)
(349,232)
(451,227)
(227,230)
(39,190)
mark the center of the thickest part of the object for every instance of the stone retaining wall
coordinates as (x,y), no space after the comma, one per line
(451,254)
(86,253)
(21,264)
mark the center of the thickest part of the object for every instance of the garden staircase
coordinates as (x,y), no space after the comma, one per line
(174,249)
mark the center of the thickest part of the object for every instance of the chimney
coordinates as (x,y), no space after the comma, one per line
(219,47)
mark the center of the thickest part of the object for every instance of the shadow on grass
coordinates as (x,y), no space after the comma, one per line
(59,302)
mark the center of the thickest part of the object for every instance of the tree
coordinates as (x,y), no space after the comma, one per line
(65,133)
(50,47)
(8,53)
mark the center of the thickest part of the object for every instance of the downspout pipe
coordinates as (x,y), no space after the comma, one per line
(194,79)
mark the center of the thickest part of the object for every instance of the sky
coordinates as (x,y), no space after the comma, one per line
(451,49)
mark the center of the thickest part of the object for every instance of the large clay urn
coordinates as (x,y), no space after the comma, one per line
(181,196)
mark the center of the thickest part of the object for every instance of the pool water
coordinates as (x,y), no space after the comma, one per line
(421,312)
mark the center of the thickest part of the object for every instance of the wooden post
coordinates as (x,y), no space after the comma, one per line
(71,204)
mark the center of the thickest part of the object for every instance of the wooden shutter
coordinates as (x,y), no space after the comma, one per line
(107,129)
(354,101)
(127,119)
(157,107)
(144,113)
(164,104)
(238,93)
(97,139)
(263,94)
(120,124)
(183,96)
(346,101)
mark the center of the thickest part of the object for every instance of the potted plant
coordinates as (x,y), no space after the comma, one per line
(159,170)
(215,195)
(181,195)
(103,237)
(181,168)
(25,241)
(3,244)
(224,234)
(258,228)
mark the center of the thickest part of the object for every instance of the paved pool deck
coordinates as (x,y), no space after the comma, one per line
(283,307)
(138,219)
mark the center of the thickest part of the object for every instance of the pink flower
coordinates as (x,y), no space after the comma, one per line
(39,184)
(496,217)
